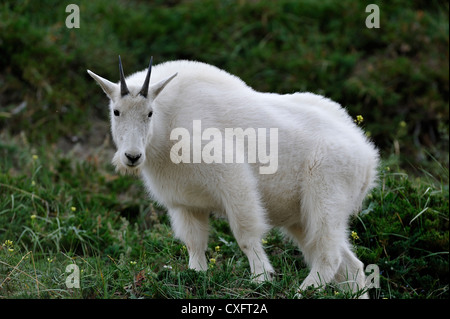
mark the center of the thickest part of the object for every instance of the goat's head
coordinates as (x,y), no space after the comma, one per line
(131,117)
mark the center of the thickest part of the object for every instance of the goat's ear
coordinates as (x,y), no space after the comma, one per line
(156,88)
(108,87)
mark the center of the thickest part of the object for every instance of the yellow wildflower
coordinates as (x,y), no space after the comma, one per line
(8,243)
(359,119)
(355,235)
(217,249)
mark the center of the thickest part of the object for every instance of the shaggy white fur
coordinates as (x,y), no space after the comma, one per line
(326,166)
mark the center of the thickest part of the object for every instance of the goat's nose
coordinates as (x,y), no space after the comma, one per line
(133,158)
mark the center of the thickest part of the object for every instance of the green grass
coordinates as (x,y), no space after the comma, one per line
(57,211)
(395,76)
(62,203)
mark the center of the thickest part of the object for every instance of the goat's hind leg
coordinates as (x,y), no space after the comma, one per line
(350,275)
(192,228)
(327,252)
(321,253)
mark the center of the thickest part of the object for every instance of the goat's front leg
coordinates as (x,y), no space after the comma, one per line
(192,228)
(247,222)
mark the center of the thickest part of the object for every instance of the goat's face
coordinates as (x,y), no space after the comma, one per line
(131,118)
(130,123)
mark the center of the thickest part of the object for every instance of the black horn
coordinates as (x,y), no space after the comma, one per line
(123,85)
(144,90)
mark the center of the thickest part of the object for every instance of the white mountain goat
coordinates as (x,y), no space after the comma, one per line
(321,166)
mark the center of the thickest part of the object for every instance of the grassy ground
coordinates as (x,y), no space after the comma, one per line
(61,202)
(56,211)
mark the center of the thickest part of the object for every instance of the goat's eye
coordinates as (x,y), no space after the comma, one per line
(116,112)
(150,114)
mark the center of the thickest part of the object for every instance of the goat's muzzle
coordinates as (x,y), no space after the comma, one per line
(128,162)
(133,159)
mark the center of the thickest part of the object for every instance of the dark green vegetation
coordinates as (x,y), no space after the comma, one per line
(62,203)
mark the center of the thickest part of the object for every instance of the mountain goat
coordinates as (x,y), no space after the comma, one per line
(321,164)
